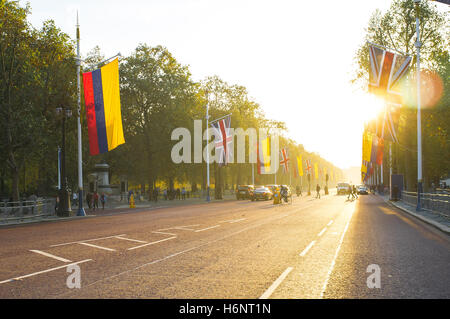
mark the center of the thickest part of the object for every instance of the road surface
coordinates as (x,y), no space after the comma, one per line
(312,248)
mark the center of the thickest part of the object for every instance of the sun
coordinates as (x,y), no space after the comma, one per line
(371,107)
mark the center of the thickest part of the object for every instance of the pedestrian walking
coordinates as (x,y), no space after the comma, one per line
(165,194)
(318,191)
(355,192)
(103,200)
(183,193)
(155,195)
(89,199)
(74,198)
(95,200)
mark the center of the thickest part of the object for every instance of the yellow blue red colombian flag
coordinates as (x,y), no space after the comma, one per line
(102,100)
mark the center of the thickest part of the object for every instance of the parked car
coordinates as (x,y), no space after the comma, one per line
(343,188)
(362,190)
(244,192)
(263,193)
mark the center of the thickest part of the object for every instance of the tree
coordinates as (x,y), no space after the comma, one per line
(395,29)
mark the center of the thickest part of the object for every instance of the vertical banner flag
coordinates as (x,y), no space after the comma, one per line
(263,157)
(295,169)
(223,140)
(284,160)
(380,149)
(308,167)
(373,154)
(299,165)
(367,146)
(386,72)
(102,100)
(316,170)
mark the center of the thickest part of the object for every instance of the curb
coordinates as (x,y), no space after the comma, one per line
(433,223)
(48,220)
(118,212)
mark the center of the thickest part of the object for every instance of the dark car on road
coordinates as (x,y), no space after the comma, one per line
(263,193)
(244,192)
(362,190)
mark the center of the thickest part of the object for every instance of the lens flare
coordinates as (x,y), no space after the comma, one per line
(431,89)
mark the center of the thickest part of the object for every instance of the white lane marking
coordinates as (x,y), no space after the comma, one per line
(178,227)
(199,230)
(152,243)
(43,271)
(51,256)
(322,231)
(331,222)
(96,246)
(303,253)
(184,251)
(238,220)
(275,284)
(231,221)
(82,241)
(324,287)
(130,239)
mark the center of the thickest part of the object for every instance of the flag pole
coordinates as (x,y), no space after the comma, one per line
(253,174)
(80,211)
(418,44)
(208,199)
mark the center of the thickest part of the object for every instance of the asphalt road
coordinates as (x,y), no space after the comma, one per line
(236,249)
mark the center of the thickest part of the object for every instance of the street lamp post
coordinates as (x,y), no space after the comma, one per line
(418,44)
(64,208)
(208,198)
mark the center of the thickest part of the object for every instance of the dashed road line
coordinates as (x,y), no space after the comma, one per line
(275,284)
(324,287)
(303,253)
(331,222)
(96,246)
(321,232)
(152,243)
(64,260)
(42,272)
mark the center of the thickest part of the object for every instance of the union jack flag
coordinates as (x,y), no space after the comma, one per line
(308,167)
(284,160)
(385,72)
(223,140)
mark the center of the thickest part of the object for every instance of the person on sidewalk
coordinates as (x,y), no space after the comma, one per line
(318,191)
(89,199)
(74,198)
(95,200)
(103,200)
(183,193)
(355,192)
(155,195)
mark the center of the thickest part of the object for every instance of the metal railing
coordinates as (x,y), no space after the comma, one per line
(435,202)
(27,209)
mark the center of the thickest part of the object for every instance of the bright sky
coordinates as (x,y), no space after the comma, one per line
(294,57)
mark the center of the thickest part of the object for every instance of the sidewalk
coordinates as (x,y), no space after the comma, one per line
(429,217)
(112,208)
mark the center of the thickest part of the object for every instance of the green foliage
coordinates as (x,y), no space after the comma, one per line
(396,29)
(38,74)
